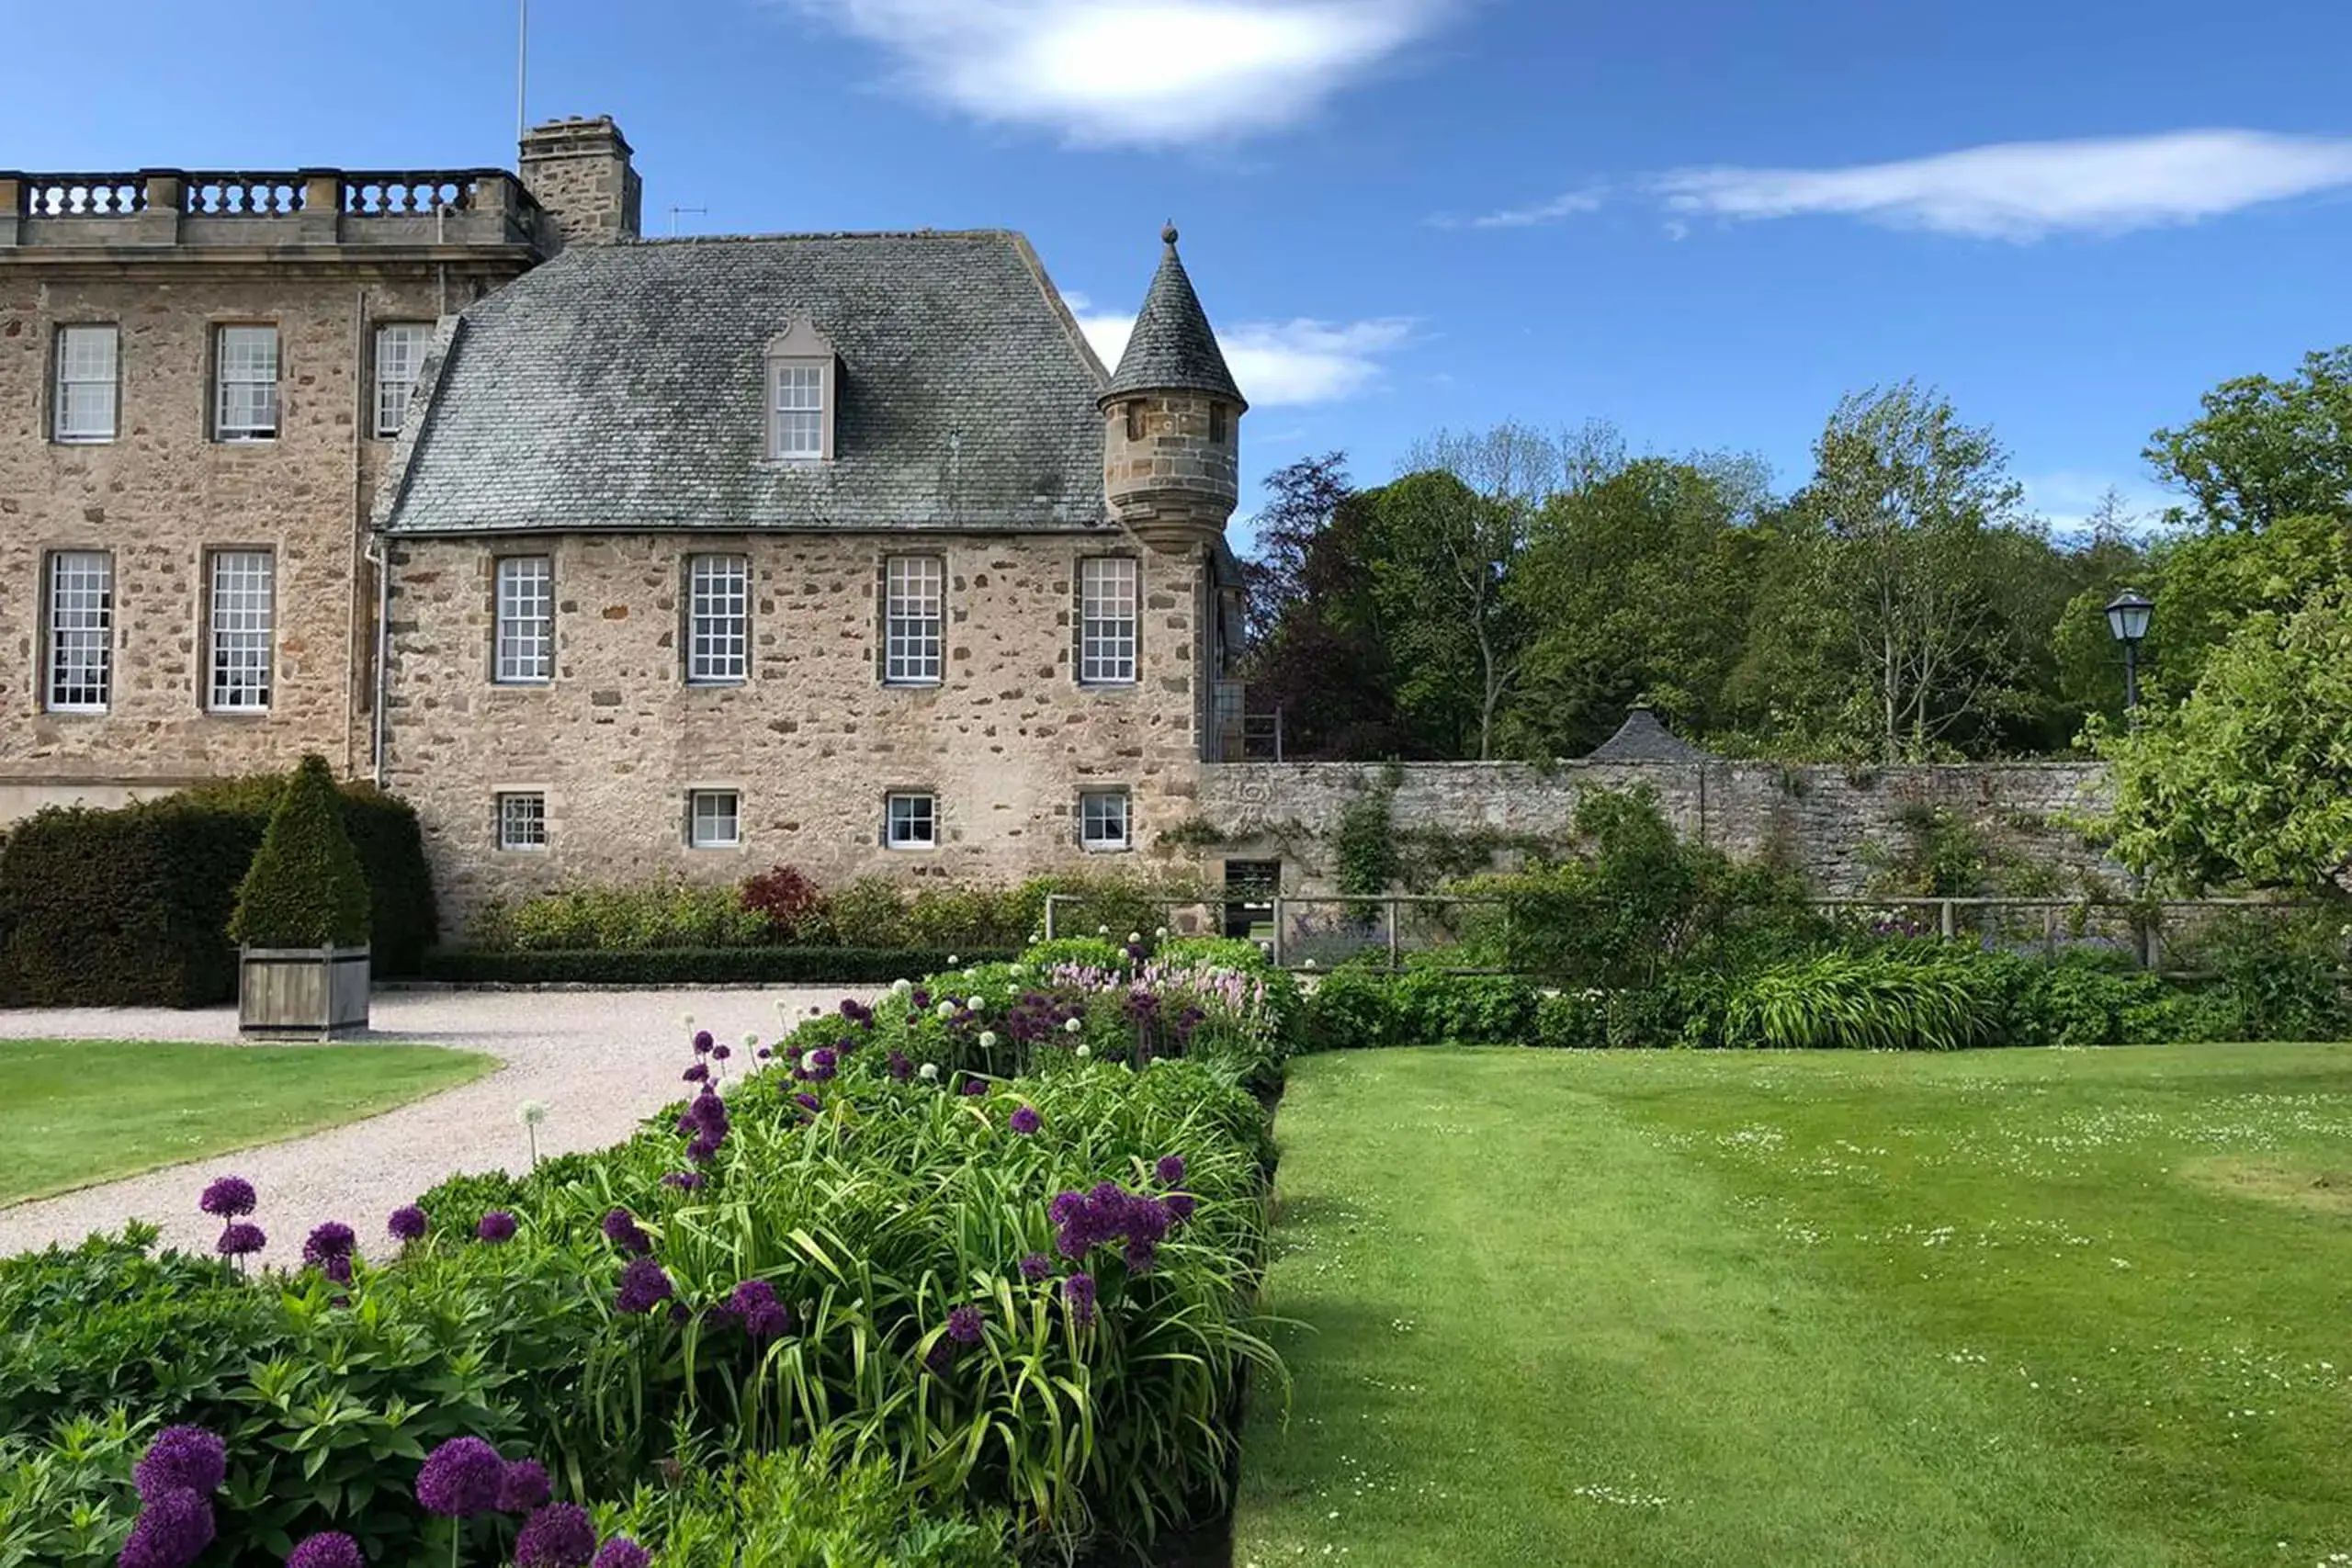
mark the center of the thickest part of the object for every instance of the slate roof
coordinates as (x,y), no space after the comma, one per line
(622,387)
(1641,739)
(1173,347)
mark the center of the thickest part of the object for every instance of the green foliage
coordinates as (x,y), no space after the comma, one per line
(1363,845)
(2248,782)
(304,887)
(2282,976)
(2265,450)
(1353,1007)
(1885,1001)
(1360,1007)
(131,908)
(644,917)
(803,1509)
(691,966)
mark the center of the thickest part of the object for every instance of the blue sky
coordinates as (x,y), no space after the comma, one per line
(1701,219)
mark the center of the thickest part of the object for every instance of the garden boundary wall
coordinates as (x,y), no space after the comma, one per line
(1842,825)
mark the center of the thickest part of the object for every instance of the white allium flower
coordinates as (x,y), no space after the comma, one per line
(1101,930)
(531,1112)
(687,1019)
(1075,1026)
(1306,963)
(928,1072)
(902,985)
(953,961)
(1160,932)
(1135,936)
(751,1042)
(978,1003)
(948,1009)
(1084,1051)
(987,1039)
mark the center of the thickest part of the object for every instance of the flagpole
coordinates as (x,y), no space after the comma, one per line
(522,59)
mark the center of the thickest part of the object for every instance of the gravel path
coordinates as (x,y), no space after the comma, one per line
(600,1060)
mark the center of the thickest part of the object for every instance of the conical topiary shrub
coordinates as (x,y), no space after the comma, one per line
(304,887)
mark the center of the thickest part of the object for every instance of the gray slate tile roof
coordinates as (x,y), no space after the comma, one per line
(1643,738)
(1173,347)
(622,387)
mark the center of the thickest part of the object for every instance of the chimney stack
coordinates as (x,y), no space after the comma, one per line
(579,172)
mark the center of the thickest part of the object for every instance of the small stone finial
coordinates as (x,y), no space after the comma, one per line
(1168,234)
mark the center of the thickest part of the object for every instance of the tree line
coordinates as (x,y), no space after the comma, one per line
(1514,592)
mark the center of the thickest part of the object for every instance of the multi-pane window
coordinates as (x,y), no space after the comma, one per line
(525,650)
(719,618)
(237,631)
(246,376)
(522,820)
(81,630)
(1102,819)
(911,820)
(914,619)
(714,820)
(399,354)
(86,393)
(1106,620)
(796,410)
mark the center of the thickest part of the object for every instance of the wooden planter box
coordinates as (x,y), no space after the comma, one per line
(301,993)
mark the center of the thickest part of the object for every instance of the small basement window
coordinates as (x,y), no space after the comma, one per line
(911,820)
(1102,819)
(522,820)
(714,820)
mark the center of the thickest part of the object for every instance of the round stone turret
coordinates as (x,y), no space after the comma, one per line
(1171,420)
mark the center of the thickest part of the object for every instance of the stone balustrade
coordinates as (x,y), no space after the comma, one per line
(151,207)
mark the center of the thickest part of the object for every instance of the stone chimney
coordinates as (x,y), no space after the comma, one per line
(579,171)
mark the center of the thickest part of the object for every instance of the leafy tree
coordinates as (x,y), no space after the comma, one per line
(304,887)
(2249,781)
(2264,451)
(1909,504)
(1441,554)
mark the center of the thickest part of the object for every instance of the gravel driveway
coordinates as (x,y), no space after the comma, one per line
(600,1060)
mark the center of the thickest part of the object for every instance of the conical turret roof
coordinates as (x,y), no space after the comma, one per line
(1172,348)
(1643,738)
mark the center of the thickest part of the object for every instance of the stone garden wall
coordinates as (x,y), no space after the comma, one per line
(1840,824)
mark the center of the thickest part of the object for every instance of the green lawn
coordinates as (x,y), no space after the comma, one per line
(77,1112)
(2040,1308)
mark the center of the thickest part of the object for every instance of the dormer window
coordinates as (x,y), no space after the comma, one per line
(800,395)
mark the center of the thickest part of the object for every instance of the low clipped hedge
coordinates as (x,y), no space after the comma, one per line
(131,906)
(697,965)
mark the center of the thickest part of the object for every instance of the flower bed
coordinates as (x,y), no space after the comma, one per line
(997,1271)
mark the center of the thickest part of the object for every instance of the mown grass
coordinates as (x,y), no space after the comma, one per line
(2020,1308)
(74,1113)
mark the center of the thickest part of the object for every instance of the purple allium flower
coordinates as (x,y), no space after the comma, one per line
(684,1181)
(623,1231)
(822,1063)
(229,1197)
(559,1536)
(462,1477)
(808,1101)
(919,998)
(1026,1121)
(703,1042)
(339,1270)
(703,1149)
(1078,1291)
(1143,1256)
(407,1224)
(643,1287)
(902,1068)
(699,1073)
(1065,1206)
(524,1487)
(763,1317)
(240,1238)
(621,1552)
(722,1053)
(496,1227)
(329,1241)
(1180,1206)
(182,1459)
(965,1324)
(172,1530)
(328,1549)
(973,1088)
(1036,1267)
(1170,1171)
(763,1054)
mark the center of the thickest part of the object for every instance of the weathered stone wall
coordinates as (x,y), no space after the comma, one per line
(579,172)
(812,741)
(162,494)
(1838,823)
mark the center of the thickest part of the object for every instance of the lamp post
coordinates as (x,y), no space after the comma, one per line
(2127,618)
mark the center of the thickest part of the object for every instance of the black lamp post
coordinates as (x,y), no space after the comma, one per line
(2127,617)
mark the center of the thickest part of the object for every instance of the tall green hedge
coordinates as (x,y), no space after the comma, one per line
(304,887)
(131,908)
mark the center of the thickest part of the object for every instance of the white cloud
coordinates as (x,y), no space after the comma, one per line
(1284,362)
(2023,190)
(1136,71)
(1568,204)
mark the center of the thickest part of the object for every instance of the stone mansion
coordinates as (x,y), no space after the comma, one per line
(617,557)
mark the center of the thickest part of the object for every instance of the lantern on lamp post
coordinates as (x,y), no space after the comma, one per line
(2127,619)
